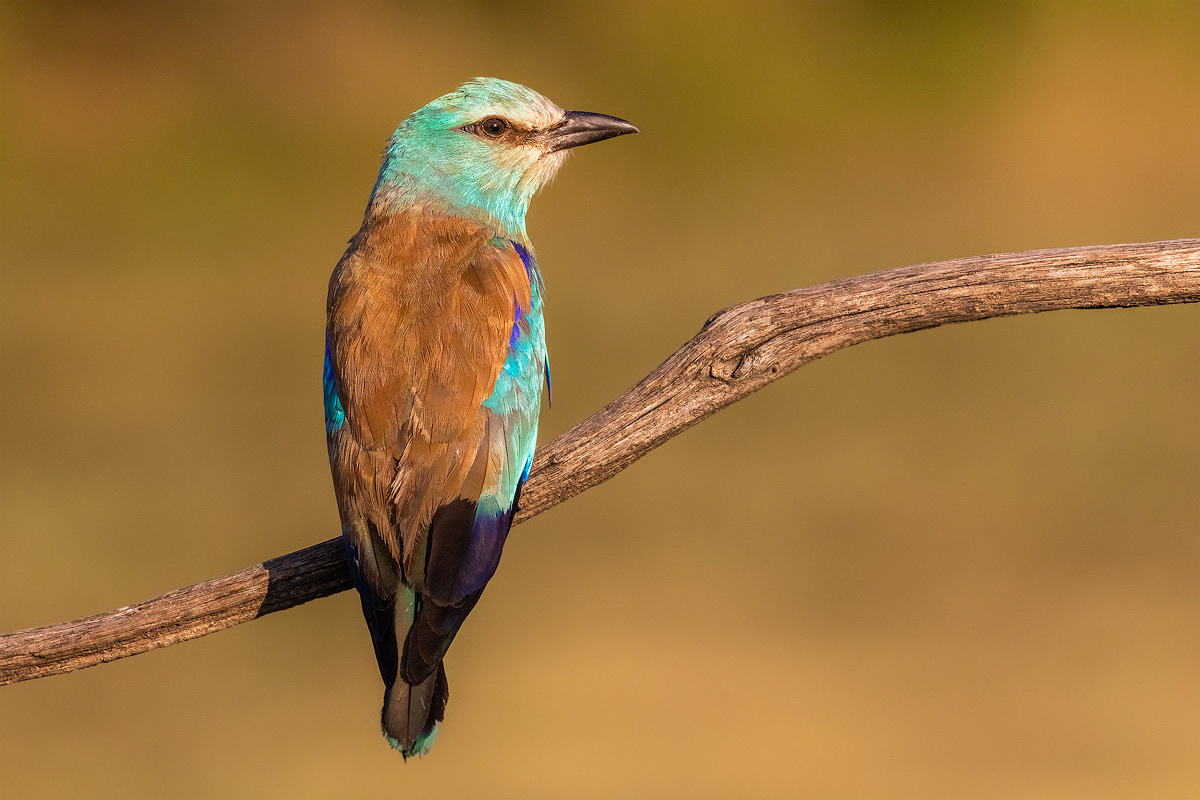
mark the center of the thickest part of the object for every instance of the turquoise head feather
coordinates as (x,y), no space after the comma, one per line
(484,150)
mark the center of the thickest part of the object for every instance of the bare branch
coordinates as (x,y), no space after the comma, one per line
(740,350)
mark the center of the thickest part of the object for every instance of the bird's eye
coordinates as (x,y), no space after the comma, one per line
(491,127)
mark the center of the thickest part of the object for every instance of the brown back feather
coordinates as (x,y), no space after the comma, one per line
(420,309)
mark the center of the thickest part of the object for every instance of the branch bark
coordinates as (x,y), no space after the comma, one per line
(739,350)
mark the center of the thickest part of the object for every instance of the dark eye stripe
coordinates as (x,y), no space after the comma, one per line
(494,127)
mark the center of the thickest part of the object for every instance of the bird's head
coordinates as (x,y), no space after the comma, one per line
(488,146)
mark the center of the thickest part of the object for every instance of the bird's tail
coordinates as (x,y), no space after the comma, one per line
(411,713)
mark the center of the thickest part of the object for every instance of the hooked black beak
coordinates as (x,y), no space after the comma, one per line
(584,127)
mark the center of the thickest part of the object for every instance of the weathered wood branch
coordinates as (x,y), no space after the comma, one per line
(739,350)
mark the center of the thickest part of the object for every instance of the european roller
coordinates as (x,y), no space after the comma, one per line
(435,359)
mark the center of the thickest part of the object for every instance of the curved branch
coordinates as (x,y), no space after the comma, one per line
(739,350)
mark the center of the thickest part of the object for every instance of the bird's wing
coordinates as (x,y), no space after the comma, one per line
(466,538)
(423,311)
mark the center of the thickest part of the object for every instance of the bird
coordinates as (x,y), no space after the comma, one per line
(435,361)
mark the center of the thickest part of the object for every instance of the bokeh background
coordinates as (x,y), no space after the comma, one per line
(959,563)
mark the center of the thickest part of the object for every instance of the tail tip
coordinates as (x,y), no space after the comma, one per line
(419,747)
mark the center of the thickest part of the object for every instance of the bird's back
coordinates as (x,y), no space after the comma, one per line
(435,356)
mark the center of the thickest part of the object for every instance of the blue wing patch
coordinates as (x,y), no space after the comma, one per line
(335,416)
(526,258)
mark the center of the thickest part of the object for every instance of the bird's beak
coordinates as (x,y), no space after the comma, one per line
(584,127)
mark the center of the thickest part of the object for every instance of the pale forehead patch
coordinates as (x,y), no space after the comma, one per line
(481,97)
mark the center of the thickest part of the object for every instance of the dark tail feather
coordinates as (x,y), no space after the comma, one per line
(411,713)
(430,636)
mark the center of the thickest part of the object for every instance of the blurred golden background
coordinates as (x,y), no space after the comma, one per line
(959,563)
